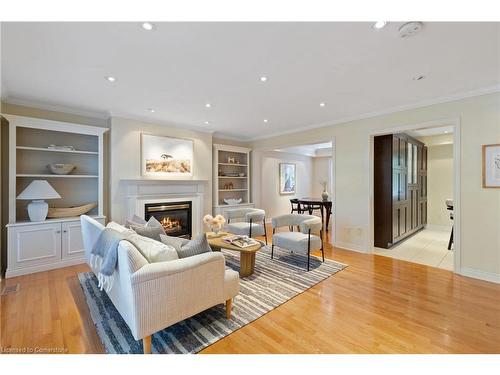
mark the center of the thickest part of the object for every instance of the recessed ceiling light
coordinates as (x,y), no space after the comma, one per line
(207,123)
(151,110)
(322,104)
(266,120)
(379,24)
(419,78)
(263,79)
(446,132)
(208,105)
(148,26)
(110,78)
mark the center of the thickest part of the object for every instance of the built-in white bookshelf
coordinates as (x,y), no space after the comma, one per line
(231,176)
(55,242)
(30,156)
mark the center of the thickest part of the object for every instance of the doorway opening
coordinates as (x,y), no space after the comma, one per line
(414,185)
(313,166)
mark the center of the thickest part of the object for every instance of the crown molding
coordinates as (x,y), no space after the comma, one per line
(56,108)
(108,114)
(421,104)
(147,120)
(229,137)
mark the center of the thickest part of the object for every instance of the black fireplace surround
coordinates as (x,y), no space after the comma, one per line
(175,217)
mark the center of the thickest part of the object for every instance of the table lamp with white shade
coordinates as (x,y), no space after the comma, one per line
(37,191)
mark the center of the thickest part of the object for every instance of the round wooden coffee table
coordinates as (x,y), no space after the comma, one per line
(247,255)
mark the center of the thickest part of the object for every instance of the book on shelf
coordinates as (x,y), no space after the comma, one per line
(240,241)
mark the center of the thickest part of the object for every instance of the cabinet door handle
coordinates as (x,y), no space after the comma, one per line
(65,231)
(58,231)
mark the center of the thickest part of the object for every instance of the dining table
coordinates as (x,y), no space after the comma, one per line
(309,204)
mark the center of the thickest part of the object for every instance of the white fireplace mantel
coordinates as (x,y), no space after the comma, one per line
(140,191)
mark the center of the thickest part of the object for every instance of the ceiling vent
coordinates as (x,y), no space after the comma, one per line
(410,29)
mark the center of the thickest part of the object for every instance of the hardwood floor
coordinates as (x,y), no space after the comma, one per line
(376,305)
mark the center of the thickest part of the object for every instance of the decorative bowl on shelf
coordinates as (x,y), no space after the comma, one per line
(58,168)
(61,148)
(56,212)
(242,175)
(232,201)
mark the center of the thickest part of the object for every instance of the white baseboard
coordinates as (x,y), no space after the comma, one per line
(43,267)
(481,275)
(350,246)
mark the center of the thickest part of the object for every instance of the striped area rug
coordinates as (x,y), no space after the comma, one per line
(274,282)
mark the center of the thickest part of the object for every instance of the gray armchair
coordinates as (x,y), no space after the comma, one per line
(303,241)
(253,223)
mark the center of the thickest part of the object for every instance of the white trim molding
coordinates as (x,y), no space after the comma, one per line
(481,275)
(351,246)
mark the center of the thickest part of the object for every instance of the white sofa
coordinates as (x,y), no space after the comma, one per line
(153,296)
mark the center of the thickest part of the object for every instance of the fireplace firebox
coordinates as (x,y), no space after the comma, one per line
(174,216)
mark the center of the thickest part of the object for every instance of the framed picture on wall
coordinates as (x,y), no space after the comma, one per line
(166,156)
(288,178)
(491,166)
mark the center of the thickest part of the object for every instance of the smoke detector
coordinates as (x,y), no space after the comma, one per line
(410,29)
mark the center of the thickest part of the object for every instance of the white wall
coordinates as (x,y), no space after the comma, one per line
(272,202)
(321,172)
(126,158)
(480,208)
(439,184)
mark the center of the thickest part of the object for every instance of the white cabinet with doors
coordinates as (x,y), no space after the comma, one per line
(35,247)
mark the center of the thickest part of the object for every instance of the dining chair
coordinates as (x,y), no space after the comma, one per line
(296,207)
(449,207)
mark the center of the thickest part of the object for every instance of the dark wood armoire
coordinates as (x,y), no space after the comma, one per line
(400,188)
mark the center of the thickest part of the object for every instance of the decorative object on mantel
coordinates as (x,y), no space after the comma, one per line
(214,223)
(59,168)
(232,201)
(37,191)
(61,148)
(324,194)
(491,166)
(287,178)
(166,156)
(56,212)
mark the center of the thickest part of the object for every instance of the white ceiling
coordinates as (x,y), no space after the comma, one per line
(179,67)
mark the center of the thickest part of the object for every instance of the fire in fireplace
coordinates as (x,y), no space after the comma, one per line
(174,216)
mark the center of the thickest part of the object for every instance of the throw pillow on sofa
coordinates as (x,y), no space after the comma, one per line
(119,228)
(194,247)
(135,220)
(153,251)
(175,242)
(138,221)
(150,232)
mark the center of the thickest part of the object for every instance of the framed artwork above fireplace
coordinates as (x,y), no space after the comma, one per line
(166,156)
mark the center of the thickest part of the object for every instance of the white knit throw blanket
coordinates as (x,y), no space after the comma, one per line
(105,282)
